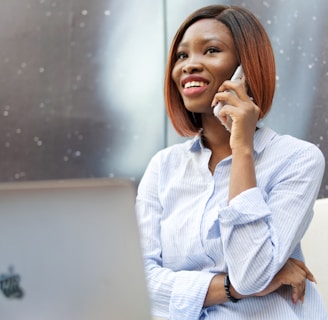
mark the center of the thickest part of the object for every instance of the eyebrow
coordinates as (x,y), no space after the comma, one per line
(204,41)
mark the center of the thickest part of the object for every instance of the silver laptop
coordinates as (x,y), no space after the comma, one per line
(70,250)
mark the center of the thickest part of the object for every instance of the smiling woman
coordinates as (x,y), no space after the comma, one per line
(207,42)
(240,34)
(222,214)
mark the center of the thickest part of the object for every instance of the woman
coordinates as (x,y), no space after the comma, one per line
(222,215)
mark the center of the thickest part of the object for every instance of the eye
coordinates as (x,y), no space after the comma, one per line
(212,50)
(180,55)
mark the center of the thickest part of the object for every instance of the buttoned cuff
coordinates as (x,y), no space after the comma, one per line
(188,295)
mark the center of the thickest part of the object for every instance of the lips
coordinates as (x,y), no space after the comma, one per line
(193,85)
(194,81)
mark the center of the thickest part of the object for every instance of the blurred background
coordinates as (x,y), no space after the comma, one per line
(81,86)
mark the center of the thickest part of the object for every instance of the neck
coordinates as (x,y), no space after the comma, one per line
(214,133)
(216,138)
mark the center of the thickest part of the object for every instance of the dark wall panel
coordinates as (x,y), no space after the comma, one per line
(81,87)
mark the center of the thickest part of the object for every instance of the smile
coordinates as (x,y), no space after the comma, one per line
(194,84)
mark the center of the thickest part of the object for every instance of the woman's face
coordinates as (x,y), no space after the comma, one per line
(205,57)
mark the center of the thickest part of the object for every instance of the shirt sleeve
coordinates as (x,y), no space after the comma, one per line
(179,294)
(261,229)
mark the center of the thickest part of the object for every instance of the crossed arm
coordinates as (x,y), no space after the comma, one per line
(294,273)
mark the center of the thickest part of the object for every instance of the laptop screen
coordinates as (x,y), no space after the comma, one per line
(71,250)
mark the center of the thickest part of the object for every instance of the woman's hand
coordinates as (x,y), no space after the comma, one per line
(241,109)
(294,273)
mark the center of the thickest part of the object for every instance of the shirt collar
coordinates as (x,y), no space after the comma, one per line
(261,138)
(197,143)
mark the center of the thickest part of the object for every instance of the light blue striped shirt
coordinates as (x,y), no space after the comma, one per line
(190,232)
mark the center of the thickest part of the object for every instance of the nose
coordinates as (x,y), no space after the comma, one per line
(192,65)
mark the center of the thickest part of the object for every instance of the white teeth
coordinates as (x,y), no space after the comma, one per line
(194,84)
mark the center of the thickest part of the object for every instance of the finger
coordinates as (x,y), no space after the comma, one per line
(226,97)
(302,297)
(239,86)
(311,277)
(301,264)
(294,294)
(297,294)
(217,98)
(227,111)
(298,291)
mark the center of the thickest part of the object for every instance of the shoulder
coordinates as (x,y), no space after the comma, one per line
(166,162)
(297,146)
(175,152)
(289,148)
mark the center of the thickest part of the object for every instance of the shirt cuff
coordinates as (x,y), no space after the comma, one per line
(188,295)
(247,207)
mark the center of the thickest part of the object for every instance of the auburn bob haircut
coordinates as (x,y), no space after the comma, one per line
(254,52)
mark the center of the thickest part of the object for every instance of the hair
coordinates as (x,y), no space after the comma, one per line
(254,52)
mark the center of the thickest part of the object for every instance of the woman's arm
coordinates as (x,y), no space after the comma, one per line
(244,114)
(177,292)
(265,219)
(294,273)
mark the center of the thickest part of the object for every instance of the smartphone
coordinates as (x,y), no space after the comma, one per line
(238,74)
